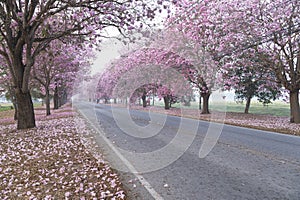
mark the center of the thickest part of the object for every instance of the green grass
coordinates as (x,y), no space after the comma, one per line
(276,108)
(5,108)
(37,104)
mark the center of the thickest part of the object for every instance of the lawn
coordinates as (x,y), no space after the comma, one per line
(5,108)
(276,108)
(9,106)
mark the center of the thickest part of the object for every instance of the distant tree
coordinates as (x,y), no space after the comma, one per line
(58,61)
(143,71)
(249,78)
(6,85)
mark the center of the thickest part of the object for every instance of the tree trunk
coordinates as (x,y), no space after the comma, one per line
(247,105)
(47,102)
(294,106)
(25,109)
(144,100)
(56,99)
(154,92)
(200,101)
(115,100)
(167,102)
(16,110)
(205,109)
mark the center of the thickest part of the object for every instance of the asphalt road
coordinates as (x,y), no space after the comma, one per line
(158,157)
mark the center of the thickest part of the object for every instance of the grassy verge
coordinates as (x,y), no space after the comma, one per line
(276,108)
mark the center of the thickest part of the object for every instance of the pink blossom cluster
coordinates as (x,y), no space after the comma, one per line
(258,35)
(149,70)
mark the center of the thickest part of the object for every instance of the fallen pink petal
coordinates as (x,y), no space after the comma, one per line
(51,162)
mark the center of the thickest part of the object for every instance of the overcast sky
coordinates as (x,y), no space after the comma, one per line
(109,51)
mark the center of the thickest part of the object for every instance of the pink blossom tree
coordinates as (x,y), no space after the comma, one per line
(193,60)
(27,28)
(58,62)
(271,29)
(232,27)
(144,71)
(71,75)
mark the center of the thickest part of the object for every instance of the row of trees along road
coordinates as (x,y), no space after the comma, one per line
(250,46)
(28,30)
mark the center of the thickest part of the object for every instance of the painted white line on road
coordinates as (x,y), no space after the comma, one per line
(132,169)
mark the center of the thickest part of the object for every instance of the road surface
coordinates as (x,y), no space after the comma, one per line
(156,163)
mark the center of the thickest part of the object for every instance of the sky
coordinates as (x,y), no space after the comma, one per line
(109,51)
(110,47)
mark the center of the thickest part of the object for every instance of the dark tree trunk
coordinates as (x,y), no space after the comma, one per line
(115,100)
(167,102)
(200,102)
(205,109)
(144,100)
(294,106)
(56,99)
(25,110)
(20,60)
(105,100)
(16,110)
(247,105)
(47,102)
